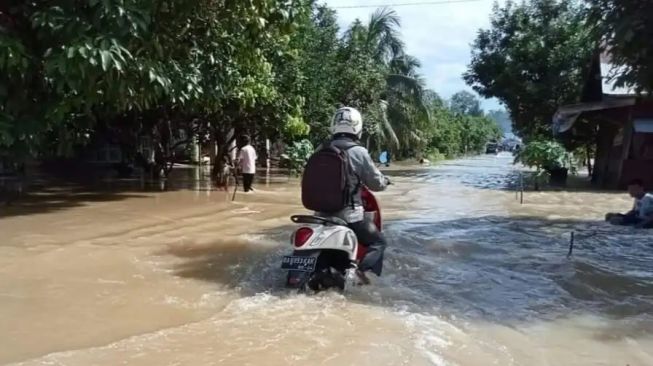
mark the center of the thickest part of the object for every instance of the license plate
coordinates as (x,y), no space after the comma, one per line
(294,263)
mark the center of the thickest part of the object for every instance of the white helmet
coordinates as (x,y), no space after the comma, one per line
(347,120)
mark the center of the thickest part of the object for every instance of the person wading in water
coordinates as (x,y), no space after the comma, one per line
(247,163)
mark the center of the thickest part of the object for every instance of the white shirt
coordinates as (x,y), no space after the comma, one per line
(247,160)
(644,206)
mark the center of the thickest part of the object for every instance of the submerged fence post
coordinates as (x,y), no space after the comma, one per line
(571,245)
(521,184)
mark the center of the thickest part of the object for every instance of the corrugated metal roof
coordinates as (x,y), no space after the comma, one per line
(613,97)
(566,116)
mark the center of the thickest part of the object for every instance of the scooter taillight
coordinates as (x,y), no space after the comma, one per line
(302,235)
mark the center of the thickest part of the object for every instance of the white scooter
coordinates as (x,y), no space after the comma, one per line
(326,252)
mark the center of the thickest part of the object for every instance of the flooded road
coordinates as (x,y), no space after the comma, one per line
(186,277)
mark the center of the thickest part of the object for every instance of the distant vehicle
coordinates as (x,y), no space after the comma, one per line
(509,142)
(492,148)
(516,150)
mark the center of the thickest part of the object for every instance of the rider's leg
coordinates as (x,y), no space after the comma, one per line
(369,236)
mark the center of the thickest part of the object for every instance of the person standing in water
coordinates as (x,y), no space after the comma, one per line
(247,162)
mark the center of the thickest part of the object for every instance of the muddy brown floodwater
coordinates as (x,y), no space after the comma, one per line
(186,277)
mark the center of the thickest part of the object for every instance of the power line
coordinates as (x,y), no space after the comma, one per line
(422,3)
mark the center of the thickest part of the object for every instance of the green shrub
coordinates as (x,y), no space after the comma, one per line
(296,156)
(546,156)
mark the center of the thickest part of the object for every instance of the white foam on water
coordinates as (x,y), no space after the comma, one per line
(256,302)
(429,335)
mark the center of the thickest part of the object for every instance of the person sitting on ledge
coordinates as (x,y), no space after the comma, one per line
(641,216)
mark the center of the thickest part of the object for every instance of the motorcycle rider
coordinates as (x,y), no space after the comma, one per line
(346,129)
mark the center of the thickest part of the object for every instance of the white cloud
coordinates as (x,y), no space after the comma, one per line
(439,35)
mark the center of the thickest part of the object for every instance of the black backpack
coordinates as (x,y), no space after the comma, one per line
(327,181)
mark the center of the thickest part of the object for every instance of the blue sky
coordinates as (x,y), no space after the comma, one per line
(439,35)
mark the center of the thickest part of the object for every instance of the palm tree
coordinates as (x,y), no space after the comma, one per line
(405,65)
(383,36)
(406,106)
(402,108)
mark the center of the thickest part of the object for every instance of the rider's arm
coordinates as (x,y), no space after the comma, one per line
(368,172)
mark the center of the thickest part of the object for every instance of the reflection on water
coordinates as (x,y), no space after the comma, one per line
(185,276)
(493,175)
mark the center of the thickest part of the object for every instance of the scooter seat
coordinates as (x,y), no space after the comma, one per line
(312,219)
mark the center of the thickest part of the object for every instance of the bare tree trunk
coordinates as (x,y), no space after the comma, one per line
(218,158)
(213,149)
(589,161)
(221,169)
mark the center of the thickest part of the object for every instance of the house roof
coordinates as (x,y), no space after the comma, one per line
(566,116)
(612,97)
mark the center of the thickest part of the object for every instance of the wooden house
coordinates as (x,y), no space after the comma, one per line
(620,121)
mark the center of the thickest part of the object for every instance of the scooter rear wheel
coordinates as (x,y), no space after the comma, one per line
(326,279)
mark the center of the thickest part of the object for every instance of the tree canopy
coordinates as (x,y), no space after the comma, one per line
(534,57)
(626,30)
(72,71)
(465,102)
(68,65)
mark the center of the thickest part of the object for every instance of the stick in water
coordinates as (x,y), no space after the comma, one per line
(233,198)
(521,185)
(571,245)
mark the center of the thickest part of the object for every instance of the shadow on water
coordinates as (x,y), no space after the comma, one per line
(44,193)
(495,269)
(45,201)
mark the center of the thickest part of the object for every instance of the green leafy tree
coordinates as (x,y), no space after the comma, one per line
(454,134)
(533,58)
(136,66)
(296,155)
(464,102)
(626,30)
(317,44)
(174,71)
